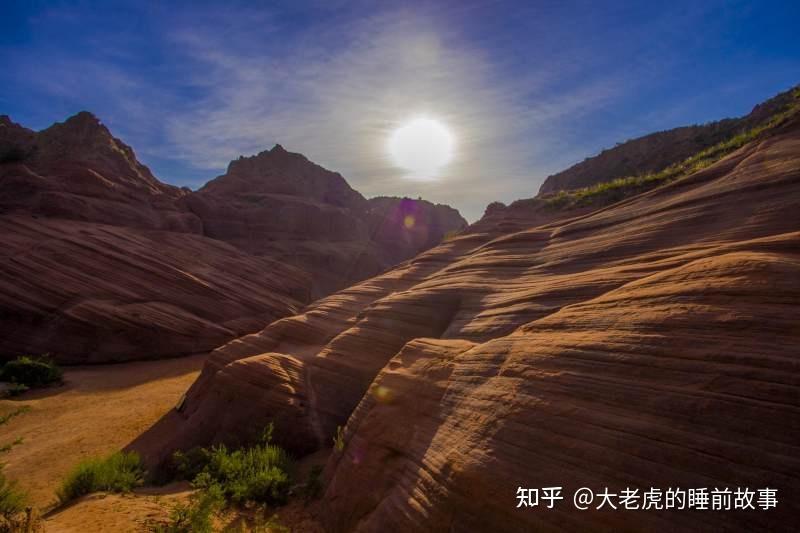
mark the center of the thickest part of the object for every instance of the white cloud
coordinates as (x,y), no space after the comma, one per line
(336,98)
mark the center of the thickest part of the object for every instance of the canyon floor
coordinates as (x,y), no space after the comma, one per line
(98,410)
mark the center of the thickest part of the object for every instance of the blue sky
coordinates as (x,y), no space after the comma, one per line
(527,88)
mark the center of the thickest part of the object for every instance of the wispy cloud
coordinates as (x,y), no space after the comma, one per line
(337,99)
(525,89)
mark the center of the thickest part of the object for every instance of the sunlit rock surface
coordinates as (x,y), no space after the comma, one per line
(649,343)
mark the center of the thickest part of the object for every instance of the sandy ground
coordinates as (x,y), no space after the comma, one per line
(118,513)
(98,410)
(101,409)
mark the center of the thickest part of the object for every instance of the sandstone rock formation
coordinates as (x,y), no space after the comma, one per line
(92,293)
(659,150)
(77,170)
(651,343)
(280,204)
(103,262)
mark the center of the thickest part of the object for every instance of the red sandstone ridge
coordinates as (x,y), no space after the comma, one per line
(77,170)
(651,343)
(101,261)
(659,150)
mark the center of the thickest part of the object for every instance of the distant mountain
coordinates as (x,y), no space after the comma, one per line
(102,261)
(401,224)
(77,170)
(280,204)
(659,150)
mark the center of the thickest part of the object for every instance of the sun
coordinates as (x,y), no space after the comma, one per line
(421,146)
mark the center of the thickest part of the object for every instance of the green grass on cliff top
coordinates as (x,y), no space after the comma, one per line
(609,192)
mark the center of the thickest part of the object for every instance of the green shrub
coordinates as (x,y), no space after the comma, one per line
(31,372)
(187,465)
(196,517)
(12,498)
(261,474)
(119,472)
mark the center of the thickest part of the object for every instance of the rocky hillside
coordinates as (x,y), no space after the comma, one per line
(101,261)
(282,205)
(659,150)
(647,344)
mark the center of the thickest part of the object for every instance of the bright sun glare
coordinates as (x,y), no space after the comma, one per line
(422,146)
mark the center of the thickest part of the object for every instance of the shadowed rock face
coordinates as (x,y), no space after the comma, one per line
(402,224)
(77,170)
(280,204)
(93,293)
(103,262)
(650,343)
(659,150)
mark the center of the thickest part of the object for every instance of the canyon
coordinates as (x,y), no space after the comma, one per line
(433,368)
(650,342)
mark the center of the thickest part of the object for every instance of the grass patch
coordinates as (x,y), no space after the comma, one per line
(119,472)
(196,516)
(29,372)
(609,192)
(13,502)
(259,475)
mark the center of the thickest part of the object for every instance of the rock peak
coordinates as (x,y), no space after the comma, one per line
(84,116)
(86,121)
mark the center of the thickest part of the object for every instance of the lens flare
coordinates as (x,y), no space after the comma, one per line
(383,394)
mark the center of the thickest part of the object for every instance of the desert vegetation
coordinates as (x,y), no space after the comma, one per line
(27,372)
(196,516)
(260,474)
(257,477)
(118,472)
(609,192)
(15,514)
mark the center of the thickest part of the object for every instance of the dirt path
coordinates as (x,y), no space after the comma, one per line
(99,409)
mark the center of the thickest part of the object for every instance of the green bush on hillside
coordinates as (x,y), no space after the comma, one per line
(31,372)
(196,516)
(260,474)
(612,191)
(119,472)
